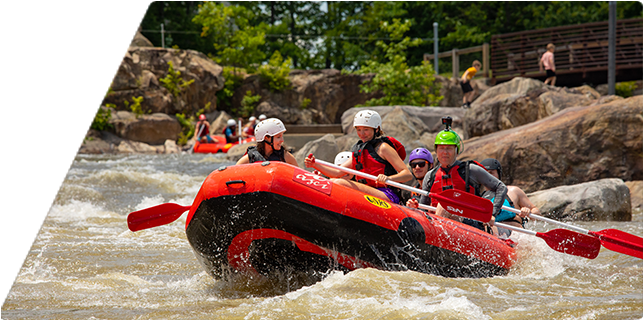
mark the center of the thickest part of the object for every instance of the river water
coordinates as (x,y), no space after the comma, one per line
(86,264)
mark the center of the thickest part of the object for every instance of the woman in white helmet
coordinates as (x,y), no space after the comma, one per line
(371,156)
(270,139)
(249,128)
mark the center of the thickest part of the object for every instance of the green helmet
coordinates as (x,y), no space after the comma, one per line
(449,137)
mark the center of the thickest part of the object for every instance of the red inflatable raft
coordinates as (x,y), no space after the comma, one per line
(271,217)
(221,147)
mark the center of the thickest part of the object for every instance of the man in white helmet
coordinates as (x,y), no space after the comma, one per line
(230,132)
(373,154)
(270,139)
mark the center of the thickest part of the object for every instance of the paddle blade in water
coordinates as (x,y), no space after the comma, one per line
(155,216)
(573,243)
(622,242)
(465,204)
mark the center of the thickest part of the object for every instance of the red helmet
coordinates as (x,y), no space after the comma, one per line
(202,117)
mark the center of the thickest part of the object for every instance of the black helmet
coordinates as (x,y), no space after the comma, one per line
(492,163)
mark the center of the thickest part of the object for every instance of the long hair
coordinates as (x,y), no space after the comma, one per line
(261,147)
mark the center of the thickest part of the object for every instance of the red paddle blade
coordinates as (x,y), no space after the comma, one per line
(155,216)
(465,204)
(622,242)
(573,243)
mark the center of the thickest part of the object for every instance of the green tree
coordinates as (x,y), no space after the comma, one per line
(235,40)
(400,84)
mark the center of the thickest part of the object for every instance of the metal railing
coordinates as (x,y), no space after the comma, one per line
(580,48)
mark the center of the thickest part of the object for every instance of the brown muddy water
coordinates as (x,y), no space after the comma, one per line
(86,264)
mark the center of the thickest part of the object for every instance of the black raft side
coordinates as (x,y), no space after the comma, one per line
(218,220)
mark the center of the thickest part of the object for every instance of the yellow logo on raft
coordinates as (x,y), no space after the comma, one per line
(377,202)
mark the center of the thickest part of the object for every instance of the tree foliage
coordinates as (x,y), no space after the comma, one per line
(400,84)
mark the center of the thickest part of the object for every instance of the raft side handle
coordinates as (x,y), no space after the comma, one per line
(238,181)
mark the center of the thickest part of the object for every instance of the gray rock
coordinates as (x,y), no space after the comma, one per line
(324,148)
(152,129)
(602,200)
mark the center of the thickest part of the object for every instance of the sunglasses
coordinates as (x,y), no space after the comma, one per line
(418,164)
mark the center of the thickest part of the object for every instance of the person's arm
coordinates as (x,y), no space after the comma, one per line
(540,63)
(552,62)
(196,131)
(329,172)
(244,160)
(482,177)
(464,76)
(290,159)
(389,154)
(521,200)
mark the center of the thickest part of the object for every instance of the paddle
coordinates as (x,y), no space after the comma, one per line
(611,239)
(155,216)
(561,240)
(456,202)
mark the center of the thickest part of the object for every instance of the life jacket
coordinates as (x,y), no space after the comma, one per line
(204,129)
(254,155)
(366,159)
(456,177)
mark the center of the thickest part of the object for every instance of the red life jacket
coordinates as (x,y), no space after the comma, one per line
(455,177)
(366,159)
(204,131)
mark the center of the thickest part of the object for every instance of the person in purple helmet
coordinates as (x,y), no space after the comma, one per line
(421,162)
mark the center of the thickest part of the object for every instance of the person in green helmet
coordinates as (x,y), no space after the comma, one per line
(467,176)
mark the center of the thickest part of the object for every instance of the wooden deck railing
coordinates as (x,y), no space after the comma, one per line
(580,49)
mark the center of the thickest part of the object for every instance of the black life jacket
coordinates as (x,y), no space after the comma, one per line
(254,155)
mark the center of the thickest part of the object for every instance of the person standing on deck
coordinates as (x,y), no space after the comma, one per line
(465,84)
(547,61)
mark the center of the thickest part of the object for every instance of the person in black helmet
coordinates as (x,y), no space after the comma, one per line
(516,198)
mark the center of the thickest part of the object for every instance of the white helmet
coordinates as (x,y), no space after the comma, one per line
(252,118)
(342,157)
(262,117)
(231,122)
(268,127)
(367,118)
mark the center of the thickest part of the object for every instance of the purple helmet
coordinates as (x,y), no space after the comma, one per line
(421,153)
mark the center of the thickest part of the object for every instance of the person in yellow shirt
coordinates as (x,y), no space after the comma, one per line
(465,84)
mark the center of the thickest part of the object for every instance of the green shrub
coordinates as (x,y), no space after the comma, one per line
(233,80)
(173,82)
(625,89)
(249,103)
(101,120)
(275,73)
(187,129)
(136,107)
(305,103)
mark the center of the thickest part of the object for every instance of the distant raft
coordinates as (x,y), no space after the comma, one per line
(221,147)
(269,218)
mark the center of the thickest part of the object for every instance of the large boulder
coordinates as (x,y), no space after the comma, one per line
(324,148)
(602,200)
(12,200)
(431,117)
(152,129)
(330,93)
(573,146)
(519,102)
(636,193)
(451,91)
(142,67)
(86,23)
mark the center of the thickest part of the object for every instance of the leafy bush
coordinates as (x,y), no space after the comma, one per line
(101,120)
(249,103)
(173,82)
(305,103)
(400,84)
(187,129)
(233,80)
(625,89)
(275,73)
(136,107)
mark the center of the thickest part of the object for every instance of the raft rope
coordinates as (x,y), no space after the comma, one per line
(33,242)
(42,222)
